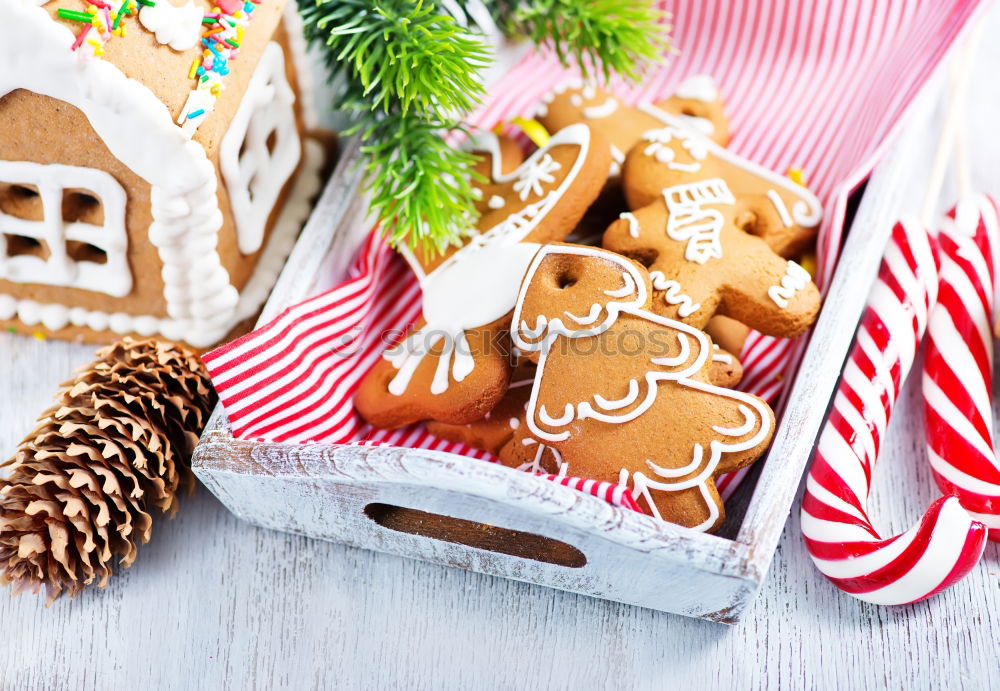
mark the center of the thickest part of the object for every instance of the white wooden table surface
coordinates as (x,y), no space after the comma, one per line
(213,602)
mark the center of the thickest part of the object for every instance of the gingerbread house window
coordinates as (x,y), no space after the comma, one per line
(63,226)
(261,149)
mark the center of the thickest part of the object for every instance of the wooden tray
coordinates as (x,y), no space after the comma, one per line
(456,511)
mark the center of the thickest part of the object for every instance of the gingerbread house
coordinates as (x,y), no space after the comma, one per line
(155,164)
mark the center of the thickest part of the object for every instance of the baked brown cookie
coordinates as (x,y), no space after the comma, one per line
(624,395)
(703,261)
(696,103)
(495,429)
(784,214)
(455,366)
(491,432)
(728,333)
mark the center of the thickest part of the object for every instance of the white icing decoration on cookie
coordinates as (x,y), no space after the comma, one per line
(690,222)
(678,359)
(779,205)
(633,223)
(514,423)
(568,414)
(535,464)
(795,279)
(672,294)
(595,312)
(604,110)
(177,27)
(743,429)
(700,87)
(496,202)
(541,110)
(806,210)
(478,283)
(624,291)
(703,465)
(534,175)
(660,149)
(719,356)
(629,398)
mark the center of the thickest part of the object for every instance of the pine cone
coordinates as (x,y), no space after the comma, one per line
(115,446)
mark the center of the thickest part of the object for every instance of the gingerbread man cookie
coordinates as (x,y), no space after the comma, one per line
(784,214)
(455,365)
(622,394)
(696,103)
(702,262)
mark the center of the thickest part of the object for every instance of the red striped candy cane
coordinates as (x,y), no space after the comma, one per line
(958,363)
(838,532)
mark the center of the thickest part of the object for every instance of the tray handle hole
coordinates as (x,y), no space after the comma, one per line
(491,538)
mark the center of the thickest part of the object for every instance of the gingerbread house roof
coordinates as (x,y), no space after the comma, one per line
(146,52)
(133,96)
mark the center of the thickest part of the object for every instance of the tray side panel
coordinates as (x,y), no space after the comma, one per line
(332,508)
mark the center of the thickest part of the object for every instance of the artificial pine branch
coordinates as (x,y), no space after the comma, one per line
(411,74)
(400,54)
(613,36)
(421,200)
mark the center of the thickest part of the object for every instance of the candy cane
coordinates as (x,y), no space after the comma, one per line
(838,533)
(958,363)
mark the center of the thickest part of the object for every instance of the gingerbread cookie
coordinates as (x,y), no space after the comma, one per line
(784,214)
(493,431)
(703,262)
(454,366)
(696,103)
(624,395)
(728,333)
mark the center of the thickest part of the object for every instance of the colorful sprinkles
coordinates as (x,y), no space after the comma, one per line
(102,20)
(221,40)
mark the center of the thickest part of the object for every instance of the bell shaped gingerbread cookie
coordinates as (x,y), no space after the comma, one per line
(703,262)
(696,103)
(455,365)
(622,394)
(784,214)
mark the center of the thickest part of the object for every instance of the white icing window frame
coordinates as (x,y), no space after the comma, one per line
(112,277)
(255,177)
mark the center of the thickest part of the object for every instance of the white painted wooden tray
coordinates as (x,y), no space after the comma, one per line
(456,511)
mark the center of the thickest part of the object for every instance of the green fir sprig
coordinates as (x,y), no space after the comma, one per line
(411,72)
(612,36)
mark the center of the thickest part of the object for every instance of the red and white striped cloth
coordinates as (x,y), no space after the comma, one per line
(838,532)
(816,87)
(611,492)
(958,363)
